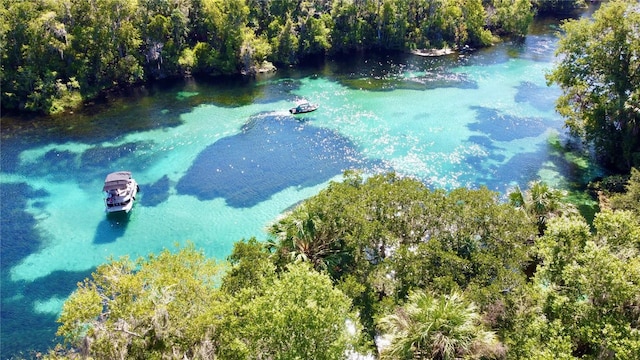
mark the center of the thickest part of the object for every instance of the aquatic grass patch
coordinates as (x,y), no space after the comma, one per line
(272,153)
(577,162)
(540,97)
(502,126)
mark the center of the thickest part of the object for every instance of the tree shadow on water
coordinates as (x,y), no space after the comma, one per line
(111,228)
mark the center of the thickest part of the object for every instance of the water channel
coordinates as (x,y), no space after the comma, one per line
(218,160)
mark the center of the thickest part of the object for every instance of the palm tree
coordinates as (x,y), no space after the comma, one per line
(303,236)
(430,327)
(541,202)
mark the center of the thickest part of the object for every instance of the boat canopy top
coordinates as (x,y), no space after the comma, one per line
(117,180)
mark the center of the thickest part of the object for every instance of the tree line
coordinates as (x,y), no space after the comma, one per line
(599,74)
(57,53)
(384,267)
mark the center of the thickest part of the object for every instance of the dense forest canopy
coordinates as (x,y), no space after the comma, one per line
(386,267)
(599,73)
(56,53)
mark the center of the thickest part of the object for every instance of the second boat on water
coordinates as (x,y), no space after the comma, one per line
(304,107)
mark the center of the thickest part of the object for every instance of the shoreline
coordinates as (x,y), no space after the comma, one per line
(433,52)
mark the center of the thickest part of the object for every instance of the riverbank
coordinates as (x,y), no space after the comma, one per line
(433,52)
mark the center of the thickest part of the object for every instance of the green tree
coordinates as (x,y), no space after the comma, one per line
(234,32)
(34,53)
(165,30)
(469,239)
(163,306)
(303,236)
(590,285)
(393,25)
(344,31)
(598,73)
(437,327)
(390,235)
(630,199)
(448,23)
(105,43)
(315,37)
(254,52)
(285,43)
(452,26)
(558,6)
(512,17)
(299,316)
(251,267)
(541,203)
(474,16)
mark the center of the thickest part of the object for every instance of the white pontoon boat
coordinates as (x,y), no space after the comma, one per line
(121,190)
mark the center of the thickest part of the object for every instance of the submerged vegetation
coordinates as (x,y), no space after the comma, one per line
(57,53)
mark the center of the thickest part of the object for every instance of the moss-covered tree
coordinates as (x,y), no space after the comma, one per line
(163,306)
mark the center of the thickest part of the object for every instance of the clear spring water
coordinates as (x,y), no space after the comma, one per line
(218,161)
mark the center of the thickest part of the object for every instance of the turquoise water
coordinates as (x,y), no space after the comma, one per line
(219,161)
